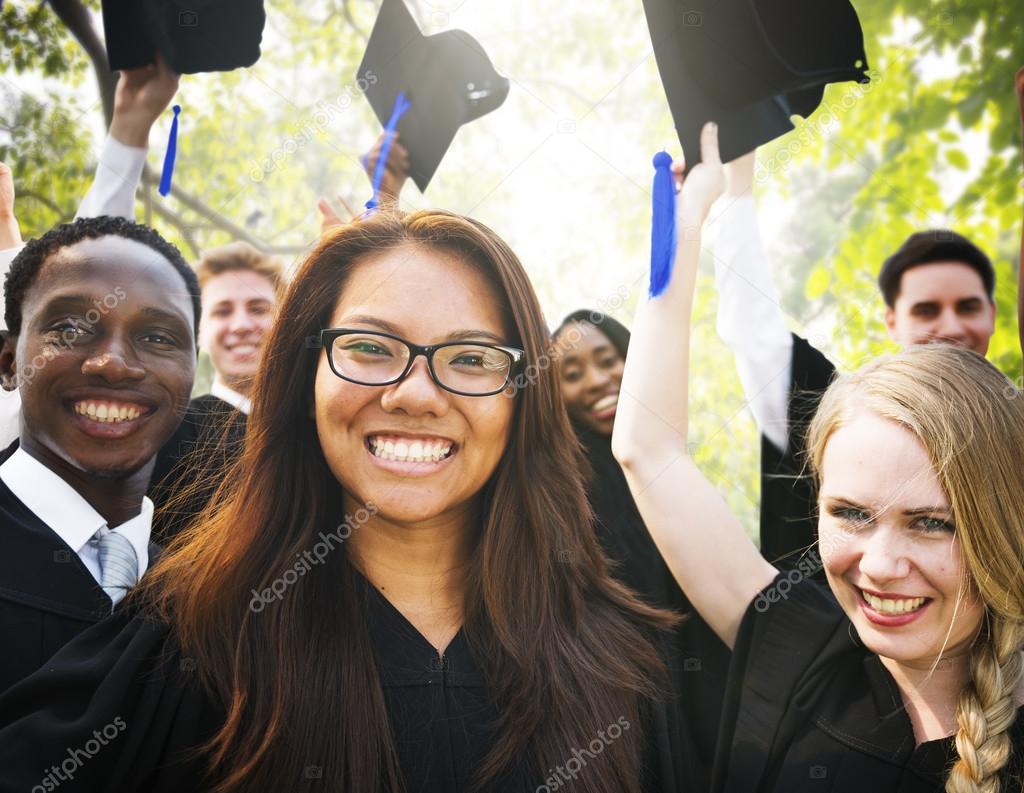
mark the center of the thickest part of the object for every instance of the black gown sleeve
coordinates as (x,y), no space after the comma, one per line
(788,525)
(117,709)
(789,645)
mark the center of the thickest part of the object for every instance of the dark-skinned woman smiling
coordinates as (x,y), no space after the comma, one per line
(398,587)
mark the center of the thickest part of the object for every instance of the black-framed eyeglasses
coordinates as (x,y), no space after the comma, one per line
(369,357)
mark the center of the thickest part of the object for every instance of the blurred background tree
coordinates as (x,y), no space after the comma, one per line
(562,170)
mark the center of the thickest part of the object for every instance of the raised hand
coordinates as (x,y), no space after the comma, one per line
(10,234)
(329,218)
(142,95)
(396,171)
(703,185)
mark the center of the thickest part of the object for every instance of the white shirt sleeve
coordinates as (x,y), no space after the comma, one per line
(118,173)
(750,319)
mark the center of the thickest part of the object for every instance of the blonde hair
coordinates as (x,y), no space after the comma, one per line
(970,419)
(240,255)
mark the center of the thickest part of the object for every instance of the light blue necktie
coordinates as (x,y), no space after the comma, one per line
(119,564)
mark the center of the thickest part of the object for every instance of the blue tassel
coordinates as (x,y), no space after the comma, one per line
(663,224)
(172,150)
(401,105)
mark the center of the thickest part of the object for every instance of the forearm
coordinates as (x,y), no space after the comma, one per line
(652,416)
(118,173)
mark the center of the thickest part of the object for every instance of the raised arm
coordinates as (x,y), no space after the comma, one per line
(142,95)
(750,318)
(703,544)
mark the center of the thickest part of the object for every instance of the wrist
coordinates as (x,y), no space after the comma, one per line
(131,131)
(10,233)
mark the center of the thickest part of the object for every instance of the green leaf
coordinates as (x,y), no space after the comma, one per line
(957,159)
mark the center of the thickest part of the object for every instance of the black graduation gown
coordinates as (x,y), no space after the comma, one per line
(47,596)
(810,710)
(128,680)
(202,449)
(788,511)
(700,660)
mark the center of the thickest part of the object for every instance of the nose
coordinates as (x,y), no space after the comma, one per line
(596,380)
(884,556)
(417,394)
(113,362)
(241,321)
(950,327)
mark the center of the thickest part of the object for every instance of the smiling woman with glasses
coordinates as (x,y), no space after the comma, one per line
(399,586)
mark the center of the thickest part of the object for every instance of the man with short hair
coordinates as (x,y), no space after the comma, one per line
(102,316)
(241,287)
(938,287)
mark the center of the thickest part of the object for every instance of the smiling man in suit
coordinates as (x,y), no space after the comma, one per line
(102,318)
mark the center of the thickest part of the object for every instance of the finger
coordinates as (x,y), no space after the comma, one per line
(709,144)
(678,174)
(351,212)
(326,210)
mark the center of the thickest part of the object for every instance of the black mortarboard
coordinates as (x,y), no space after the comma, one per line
(447,77)
(191,35)
(750,64)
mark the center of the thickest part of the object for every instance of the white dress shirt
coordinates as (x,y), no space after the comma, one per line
(112,193)
(232,397)
(60,507)
(750,319)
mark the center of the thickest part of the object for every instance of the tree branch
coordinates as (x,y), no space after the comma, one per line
(77,20)
(213,216)
(49,204)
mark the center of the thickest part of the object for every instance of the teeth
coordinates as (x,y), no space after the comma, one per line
(416,451)
(605,402)
(892,605)
(107,412)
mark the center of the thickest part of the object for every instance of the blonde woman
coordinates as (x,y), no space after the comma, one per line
(906,676)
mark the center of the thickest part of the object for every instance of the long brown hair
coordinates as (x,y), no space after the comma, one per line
(970,419)
(566,650)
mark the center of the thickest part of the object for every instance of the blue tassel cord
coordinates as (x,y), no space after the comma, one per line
(663,224)
(172,151)
(400,107)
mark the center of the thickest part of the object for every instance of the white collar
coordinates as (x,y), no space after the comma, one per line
(232,397)
(62,508)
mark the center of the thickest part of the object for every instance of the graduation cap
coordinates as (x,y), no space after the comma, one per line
(447,79)
(750,64)
(192,35)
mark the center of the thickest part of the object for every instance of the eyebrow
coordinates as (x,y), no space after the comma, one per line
(457,335)
(907,512)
